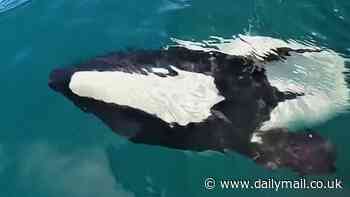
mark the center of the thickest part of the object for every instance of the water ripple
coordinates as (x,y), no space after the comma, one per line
(6,5)
(320,76)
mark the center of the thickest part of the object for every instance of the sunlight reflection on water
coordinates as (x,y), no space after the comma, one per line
(6,5)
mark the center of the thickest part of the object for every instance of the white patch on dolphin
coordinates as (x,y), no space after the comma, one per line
(319,75)
(182,99)
(160,70)
(256,138)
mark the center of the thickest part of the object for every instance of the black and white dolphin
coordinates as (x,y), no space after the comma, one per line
(195,100)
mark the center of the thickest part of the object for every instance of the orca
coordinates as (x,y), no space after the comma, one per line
(195,100)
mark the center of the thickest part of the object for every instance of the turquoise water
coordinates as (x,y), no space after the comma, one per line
(49,148)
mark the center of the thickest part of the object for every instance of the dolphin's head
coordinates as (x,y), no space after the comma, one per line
(59,79)
(307,152)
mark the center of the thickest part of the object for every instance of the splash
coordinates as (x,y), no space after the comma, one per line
(6,5)
(320,75)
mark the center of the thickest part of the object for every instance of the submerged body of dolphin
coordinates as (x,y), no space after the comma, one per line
(195,99)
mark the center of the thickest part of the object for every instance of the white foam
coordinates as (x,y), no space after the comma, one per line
(181,99)
(320,75)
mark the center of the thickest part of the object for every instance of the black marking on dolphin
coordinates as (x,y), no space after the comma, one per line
(248,101)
